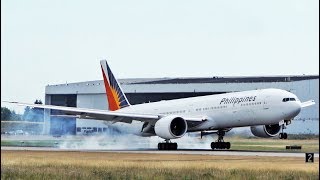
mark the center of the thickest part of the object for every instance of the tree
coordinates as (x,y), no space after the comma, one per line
(33,114)
(38,101)
(14,116)
(26,114)
(5,113)
(38,112)
(8,115)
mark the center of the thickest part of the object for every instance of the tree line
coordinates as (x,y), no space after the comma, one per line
(29,114)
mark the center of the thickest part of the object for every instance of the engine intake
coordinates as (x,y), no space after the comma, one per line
(171,127)
(266,130)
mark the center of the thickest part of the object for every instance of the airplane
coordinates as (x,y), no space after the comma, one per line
(265,111)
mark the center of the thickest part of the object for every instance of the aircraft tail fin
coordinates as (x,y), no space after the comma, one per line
(115,96)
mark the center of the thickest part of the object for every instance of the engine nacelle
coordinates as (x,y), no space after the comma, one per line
(266,130)
(171,127)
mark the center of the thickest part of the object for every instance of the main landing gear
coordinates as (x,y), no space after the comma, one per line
(220,144)
(167,145)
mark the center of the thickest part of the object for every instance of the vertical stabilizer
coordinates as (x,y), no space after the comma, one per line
(116,97)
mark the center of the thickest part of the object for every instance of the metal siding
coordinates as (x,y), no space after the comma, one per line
(93,101)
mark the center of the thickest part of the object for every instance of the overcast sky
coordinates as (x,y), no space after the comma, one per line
(57,41)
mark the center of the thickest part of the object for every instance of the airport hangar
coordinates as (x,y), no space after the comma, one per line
(91,94)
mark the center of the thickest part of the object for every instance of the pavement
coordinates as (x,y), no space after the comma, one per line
(179,151)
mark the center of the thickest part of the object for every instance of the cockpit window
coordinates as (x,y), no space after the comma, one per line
(288,99)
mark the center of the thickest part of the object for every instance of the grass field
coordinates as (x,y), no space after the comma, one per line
(237,143)
(106,165)
(263,144)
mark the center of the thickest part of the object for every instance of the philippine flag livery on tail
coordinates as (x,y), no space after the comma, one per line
(116,97)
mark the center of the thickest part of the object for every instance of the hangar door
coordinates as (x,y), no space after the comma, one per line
(61,125)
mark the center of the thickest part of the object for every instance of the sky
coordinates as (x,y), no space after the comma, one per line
(53,42)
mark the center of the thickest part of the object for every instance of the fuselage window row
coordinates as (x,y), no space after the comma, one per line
(212,108)
(250,104)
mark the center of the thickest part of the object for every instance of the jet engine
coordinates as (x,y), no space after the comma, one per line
(266,130)
(170,127)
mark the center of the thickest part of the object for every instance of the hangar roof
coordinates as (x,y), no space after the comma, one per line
(217,79)
(204,84)
(200,80)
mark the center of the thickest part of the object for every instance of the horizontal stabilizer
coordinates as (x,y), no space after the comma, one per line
(307,103)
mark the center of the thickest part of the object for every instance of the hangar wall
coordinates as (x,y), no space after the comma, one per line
(91,94)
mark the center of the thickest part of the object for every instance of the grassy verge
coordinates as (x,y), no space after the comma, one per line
(261,144)
(237,143)
(95,165)
(85,172)
(30,143)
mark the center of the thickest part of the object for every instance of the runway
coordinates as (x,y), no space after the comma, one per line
(179,151)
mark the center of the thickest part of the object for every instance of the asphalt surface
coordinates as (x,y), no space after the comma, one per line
(179,151)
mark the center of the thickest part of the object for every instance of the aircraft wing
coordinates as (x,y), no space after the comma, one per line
(307,103)
(104,115)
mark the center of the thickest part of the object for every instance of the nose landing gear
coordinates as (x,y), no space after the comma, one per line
(284,135)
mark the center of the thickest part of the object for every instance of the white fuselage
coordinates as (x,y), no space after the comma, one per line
(229,110)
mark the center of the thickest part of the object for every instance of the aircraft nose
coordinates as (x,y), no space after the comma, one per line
(296,109)
(292,111)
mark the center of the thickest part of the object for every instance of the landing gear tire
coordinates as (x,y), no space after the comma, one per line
(220,145)
(283,135)
(167,146)
(228,145)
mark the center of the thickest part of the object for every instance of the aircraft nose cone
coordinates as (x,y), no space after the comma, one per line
(292,111)
(295,110)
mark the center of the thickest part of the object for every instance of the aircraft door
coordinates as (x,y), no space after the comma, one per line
(266,102)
